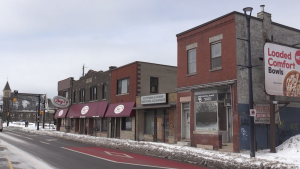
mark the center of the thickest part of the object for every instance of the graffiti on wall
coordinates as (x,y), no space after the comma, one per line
(244,122)
(244,134)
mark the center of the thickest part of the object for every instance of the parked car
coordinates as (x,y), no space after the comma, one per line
(1,125)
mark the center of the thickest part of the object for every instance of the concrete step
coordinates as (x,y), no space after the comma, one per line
(207,147)
(227,148)
(184,143)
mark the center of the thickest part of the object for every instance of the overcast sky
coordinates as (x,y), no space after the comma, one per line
(45,41)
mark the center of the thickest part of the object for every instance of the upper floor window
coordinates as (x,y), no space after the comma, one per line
(123,86)
(93,93)
(104,90)
(153,85)
(192,61)
(65,94)
(74,96)
(81,95)
(216,55)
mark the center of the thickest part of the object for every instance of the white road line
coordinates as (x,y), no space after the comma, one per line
(115,161)
(44,142)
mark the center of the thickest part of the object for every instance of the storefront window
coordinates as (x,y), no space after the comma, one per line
(126,123)
(104,124)
(206,116)
(149,122)
(97,125)
(63,122)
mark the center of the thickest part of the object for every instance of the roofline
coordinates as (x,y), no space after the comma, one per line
(234,12)
(142,62)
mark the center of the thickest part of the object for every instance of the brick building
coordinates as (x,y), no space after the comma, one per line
(89,97)
(128,84)
(212,91)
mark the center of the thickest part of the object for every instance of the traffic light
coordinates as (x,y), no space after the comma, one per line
(16,91)
(8,113)
(15,99)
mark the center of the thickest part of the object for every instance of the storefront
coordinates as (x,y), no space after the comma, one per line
(61,124)
(122,120)
(211,120)
(89,118)
(156,118)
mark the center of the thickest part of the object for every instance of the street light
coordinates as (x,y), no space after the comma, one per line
(247,12)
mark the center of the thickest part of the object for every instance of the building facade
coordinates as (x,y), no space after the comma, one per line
(213,90)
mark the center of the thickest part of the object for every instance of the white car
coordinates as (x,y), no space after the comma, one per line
(1,125)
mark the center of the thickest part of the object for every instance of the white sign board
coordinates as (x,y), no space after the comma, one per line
(263,114)
(282,70)
(153,99)
(60,101)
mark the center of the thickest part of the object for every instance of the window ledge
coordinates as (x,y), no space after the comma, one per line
(212,132)
(215,69)
(191,74)
(122,94)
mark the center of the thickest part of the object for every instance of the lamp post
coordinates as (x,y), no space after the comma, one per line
(247,12)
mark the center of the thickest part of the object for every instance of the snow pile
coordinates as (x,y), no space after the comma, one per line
(215,159)
(290,145)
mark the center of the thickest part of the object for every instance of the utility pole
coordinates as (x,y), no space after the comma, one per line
(83,70)
(44,113)
(38,116)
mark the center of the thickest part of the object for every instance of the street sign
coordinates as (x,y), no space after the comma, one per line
(252,112)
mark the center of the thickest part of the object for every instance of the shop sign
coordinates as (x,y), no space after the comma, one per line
(85,109)
(119,109)
(60,112)
(207,97)
(282,70)
(154,99)
(60,101)
(263,114)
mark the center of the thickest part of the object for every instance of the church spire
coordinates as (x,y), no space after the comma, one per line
(7,87)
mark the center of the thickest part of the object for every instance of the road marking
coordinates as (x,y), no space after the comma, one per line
(115,161)
(51,139)
(29,138)
(117,154)
(44,142)
(9,163)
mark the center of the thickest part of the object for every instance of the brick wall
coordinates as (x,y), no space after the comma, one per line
(224,26)
(127,71)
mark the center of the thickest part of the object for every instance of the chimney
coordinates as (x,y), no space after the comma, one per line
(267,22)
(112,67)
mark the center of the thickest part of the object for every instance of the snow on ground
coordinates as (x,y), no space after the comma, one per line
(287,156)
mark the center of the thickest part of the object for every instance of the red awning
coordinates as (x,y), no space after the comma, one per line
(121,110)
(87,110)
(61,113)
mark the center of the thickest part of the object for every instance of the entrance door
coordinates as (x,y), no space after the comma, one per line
(159,129)
(81,128)
(229,124)
(86,126)
(186,124)
(112,133)
(118,119)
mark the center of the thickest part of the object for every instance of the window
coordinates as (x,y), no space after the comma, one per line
(206,116)
(153,85)
(72,124)
(81,95)
(192,61)
(65,94)
(93,93)
(149,122)
(97,125)
(216,55)
(74,96)
(104,124)
(126,123)
(104,89)
(123,86)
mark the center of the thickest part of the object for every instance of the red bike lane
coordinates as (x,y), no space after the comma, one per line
(118,156)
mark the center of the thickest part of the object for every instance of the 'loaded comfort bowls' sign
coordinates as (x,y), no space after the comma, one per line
(282,70)
(60,101)
(153,99)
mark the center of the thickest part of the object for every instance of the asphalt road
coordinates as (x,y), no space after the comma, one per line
(27,150)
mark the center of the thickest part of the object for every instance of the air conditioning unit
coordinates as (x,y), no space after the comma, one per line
(227,102)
